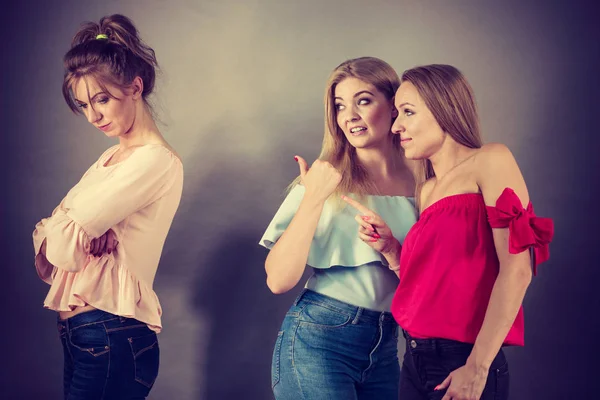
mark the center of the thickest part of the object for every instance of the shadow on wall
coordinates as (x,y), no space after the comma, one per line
(230,293)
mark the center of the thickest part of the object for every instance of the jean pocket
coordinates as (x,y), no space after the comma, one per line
(91,339)
(276,360)
(322,316)
(502,382)
(146,358)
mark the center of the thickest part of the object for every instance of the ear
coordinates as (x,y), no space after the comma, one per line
(137,87)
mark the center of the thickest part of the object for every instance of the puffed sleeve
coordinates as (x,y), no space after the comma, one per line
(132,185)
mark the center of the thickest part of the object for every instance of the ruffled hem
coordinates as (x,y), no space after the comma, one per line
(106,286)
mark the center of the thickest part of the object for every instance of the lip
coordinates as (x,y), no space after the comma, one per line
(105,127)
(359,132)
(404,141)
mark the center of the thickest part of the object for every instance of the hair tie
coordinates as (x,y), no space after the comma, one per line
(102,36)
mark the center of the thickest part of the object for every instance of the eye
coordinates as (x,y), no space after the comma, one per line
(364,101)
(339,106)
(103,100)
(82,105)
(408,112)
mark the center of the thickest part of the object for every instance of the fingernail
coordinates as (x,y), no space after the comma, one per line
(365,218)
(295,158)
(376,235)
(437,387)
(373,240)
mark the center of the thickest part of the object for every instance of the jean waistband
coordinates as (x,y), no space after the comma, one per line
(111,321)
(434,344)
(359,314)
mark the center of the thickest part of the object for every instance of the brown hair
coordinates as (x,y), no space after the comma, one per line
(336,149)
(116,57)
(450,99)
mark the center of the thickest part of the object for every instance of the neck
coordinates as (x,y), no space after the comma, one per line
(143,130)
(449,156)
(382,163)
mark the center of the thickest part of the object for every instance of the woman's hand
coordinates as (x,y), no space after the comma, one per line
(320,181)
(373,230)
(105,244)
(464,383)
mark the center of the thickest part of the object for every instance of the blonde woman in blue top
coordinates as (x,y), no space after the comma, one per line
(339,340)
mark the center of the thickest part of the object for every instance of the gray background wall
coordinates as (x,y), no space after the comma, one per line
(240,94)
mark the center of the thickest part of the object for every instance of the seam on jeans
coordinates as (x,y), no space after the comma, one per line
(294,371)
(92,323)
(108,365)
(357,316)
(364,373)
(329,307)
(125,328)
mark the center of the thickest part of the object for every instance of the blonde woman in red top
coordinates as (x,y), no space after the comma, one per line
(465,265)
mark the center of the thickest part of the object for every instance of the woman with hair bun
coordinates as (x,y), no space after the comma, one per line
(100,248)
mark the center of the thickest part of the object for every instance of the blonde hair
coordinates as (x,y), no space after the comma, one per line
(450,99)
(336,149)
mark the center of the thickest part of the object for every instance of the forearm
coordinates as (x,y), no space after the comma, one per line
(286,261)
(506,299)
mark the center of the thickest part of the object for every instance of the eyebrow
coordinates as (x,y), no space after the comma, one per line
(357,94)
(92,99)
(405,104)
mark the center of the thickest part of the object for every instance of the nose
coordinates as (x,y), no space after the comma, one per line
(93,116)
(397,127)
(352,115)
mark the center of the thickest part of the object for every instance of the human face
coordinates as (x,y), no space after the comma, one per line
(363,113)
(420,134)
(114,115)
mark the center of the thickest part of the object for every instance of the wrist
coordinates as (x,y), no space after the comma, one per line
(480,366)
(313,200)
(392,255)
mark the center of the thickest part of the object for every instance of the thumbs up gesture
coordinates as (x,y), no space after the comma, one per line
(320,180)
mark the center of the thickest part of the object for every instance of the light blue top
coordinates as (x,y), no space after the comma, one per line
(344,267)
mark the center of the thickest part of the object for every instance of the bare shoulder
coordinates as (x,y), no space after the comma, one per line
(497,169)
(494,155)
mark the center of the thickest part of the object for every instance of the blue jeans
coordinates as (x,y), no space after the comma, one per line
(427,362)
(328,349)
(107,357)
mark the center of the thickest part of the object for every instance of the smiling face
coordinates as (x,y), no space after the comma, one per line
(421,135)
(108,108)
(363,113)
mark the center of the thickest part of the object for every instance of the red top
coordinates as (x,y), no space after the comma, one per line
(449,264)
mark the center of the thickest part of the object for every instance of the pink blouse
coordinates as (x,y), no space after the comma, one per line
(136,198)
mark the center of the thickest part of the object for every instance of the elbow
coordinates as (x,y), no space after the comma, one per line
(276,287)
(520,275)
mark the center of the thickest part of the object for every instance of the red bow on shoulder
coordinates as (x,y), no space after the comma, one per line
(525,228)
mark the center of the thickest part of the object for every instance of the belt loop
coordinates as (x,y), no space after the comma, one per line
(299,297)
(358,314)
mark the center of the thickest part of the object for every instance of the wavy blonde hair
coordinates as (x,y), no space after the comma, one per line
(336,149)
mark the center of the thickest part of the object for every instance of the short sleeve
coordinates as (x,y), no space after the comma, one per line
(283,217)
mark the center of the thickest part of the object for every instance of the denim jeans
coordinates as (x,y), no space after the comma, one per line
(328,349)
(427,362)
(107,357)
